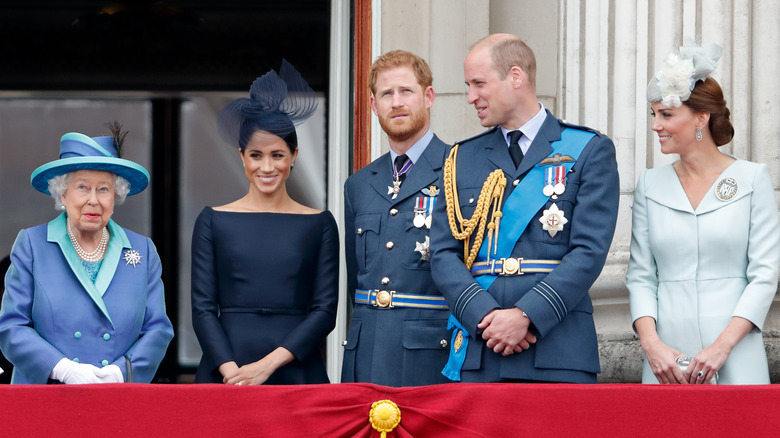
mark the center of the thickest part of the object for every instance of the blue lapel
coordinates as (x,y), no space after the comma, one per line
(57,232)
(422,173)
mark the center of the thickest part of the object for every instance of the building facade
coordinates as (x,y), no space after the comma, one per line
(594,60)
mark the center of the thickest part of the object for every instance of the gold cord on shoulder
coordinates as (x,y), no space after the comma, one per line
(462,229)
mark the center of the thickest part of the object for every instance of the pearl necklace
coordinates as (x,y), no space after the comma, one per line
(95,255)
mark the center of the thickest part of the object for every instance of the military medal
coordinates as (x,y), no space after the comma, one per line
(726,189)
(548,189)
(429,210)
(553,220)
(419,211)
(397,179)
(424,248)
(394,189)
(560,180)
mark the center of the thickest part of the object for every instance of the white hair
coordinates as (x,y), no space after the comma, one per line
(59,184)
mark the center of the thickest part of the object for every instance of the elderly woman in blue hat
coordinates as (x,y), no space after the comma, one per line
(264,267)
(84,299)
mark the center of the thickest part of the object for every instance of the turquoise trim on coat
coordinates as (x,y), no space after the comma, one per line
(57,232)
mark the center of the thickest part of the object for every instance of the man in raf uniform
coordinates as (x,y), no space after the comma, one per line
(398,335)
(533,205)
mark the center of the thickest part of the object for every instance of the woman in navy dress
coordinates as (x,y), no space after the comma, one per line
(264,267)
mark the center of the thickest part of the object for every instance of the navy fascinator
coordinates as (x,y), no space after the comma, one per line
(276,104)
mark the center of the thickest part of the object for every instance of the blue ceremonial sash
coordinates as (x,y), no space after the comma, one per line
(457,357)
(519,209)
(527,198)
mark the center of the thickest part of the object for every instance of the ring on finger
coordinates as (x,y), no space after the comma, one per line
(700,374)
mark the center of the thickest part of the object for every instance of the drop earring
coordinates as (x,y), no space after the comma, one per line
(698,134)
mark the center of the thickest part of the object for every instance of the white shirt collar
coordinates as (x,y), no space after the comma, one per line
(417,148)
(530,129)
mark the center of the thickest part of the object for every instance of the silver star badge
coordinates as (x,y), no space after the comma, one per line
(424,248)
(552,220)
(132,257)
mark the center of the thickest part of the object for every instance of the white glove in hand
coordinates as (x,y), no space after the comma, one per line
(110,374)
(70,373)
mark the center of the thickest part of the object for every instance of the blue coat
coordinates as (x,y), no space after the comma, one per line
(694,270)
(392,346)
(560,309)
(49,312)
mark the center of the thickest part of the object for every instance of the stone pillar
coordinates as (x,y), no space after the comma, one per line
(594,61)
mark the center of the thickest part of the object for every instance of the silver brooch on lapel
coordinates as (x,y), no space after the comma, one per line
(726,189)
(132,257)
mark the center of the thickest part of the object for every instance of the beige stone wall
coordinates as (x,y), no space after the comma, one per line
(594,60)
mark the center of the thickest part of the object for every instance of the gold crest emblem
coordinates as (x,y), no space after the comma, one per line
(458,340)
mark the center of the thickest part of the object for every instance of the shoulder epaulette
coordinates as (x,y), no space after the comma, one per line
(489,131)
(581,127)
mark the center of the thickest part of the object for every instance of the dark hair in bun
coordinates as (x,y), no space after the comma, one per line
(707,97)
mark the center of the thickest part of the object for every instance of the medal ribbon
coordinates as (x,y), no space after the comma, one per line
(405,168)
(560,175)
(455,362)
(549,176)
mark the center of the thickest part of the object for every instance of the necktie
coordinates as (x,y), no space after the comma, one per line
(514,147)
(400,161)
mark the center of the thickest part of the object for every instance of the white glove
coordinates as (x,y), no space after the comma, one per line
(110,374)
(70,373)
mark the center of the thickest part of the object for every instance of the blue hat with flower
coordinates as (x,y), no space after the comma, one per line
(80,152)
(673,84)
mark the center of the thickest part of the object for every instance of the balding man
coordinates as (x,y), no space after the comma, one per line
(531,206)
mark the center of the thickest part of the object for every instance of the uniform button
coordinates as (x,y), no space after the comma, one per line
(76,359)
(360,231)
(443,343)
(515,183)
(389,245)
(104,362)
(77,335)
(385,281)
(471,200)
(393,211)
(106,336)
(344,343)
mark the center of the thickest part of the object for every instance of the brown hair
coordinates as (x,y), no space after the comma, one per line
(707,97)
(400,58)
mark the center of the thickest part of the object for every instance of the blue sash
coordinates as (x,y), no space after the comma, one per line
(527,198)
(519,209)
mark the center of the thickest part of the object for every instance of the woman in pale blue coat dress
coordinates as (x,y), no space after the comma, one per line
(84,299)
(705,244)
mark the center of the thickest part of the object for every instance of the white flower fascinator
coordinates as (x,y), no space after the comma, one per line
(673,84)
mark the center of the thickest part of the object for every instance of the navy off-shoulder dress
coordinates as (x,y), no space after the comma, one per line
(260,281)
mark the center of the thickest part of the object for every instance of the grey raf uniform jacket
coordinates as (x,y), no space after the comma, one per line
(557,302)
(396,346)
